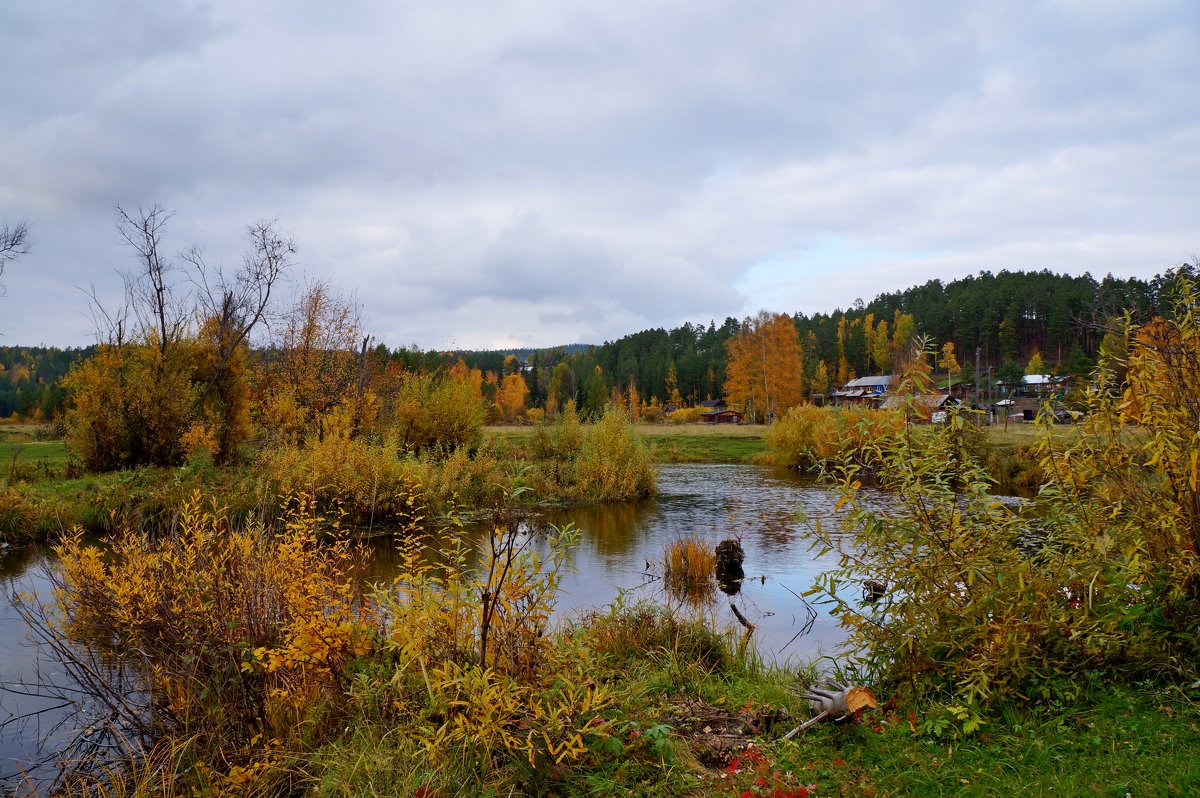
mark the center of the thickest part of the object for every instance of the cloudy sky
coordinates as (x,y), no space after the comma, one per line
(484,174)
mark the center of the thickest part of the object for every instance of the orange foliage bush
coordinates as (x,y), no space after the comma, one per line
(241,630)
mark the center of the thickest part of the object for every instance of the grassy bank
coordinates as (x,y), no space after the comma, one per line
(366,485)
(637,701)
(27,451)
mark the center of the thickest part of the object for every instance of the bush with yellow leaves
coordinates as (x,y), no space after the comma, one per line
(473,645)
(809,436)
(239,632)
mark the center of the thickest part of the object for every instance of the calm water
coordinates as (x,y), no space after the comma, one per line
(621,548)
(620,552)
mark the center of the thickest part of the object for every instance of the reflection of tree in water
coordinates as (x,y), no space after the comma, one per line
(14,562)
(613,530)
(72,709)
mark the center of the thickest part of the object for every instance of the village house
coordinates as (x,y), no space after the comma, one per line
(868,390)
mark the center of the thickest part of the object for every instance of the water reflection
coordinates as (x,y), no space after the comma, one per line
(621,548)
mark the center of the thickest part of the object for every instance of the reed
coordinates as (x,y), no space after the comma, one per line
(688,567)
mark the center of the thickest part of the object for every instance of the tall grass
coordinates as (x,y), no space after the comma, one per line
(689,565)
(613,463)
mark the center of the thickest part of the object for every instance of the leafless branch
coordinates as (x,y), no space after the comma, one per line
(159,311)
(235,305)
(14,242)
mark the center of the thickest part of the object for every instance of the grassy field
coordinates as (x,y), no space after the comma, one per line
(1116,742)
(682,443)
(23,456)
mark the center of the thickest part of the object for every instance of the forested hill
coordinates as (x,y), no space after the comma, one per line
(30,377)
(1005,317)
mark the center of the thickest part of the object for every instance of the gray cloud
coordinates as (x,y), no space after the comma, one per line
(547,172)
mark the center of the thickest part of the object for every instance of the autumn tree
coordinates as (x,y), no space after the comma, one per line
(844,371)
(881,348)
(437,411)
(232,306)
(765,372)
(170,376)
(561,387)
(672,387)
(510,397)
(820,380)
(312,386)
(595,393)
(904,335)
(949,363)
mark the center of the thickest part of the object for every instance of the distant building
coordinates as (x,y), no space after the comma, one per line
(864,389)
(922,407)
(721,417)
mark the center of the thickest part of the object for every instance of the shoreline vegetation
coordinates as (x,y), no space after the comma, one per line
(42,493)
(625,700)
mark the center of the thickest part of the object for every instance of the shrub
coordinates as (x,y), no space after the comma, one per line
(240,632)
(685,415)
(984,603)
(432,412)
(809,436)
(363,483)
(613,463)
(132,406)
(476,639)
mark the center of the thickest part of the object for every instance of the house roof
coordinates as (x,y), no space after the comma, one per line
(930,400)
(1040,379)
(879,381)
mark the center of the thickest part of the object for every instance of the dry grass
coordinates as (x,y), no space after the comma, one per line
(688,567)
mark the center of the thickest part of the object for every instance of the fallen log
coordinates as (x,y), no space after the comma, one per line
(835,702)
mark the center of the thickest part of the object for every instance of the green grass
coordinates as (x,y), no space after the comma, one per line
(682,443)
(26,453)
(1116,741)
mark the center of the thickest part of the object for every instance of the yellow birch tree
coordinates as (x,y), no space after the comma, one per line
(765,372)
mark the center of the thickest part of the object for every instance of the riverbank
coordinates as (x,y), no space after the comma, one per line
(40,496)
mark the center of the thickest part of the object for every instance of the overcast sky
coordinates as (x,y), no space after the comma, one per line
(539,172)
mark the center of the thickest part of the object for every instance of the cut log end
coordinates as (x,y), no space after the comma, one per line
(859,699)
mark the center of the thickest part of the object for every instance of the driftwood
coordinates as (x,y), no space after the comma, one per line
(741,618)
(835,702)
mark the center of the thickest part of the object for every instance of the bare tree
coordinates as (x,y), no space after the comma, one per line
(236,304)
(14,242)
(159,310)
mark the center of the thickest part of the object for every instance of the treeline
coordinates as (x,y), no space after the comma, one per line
(994,321)
(31,380)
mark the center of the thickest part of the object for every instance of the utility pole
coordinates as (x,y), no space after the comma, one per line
(977,376)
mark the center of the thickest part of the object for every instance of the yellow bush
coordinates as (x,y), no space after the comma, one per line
(240,630)
(477,639)
(685,415)
(365,483)
(809,436)
(613,464)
